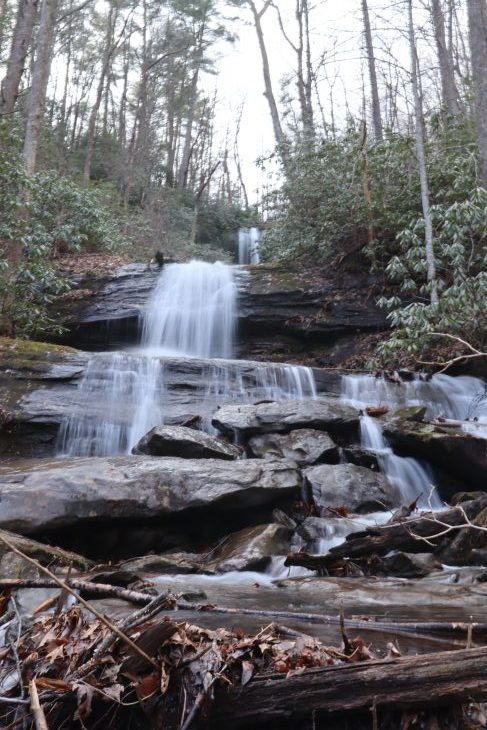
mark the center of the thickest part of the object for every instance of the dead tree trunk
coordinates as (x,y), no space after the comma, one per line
(22,37)
(477,24)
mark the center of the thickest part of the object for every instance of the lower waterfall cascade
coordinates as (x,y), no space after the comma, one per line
(190,315)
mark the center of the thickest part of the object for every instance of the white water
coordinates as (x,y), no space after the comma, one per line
(248,245)
(192,311)
(191,314)
(458,398)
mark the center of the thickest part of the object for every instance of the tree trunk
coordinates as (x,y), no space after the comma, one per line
(477,24)
(22,37)
(374,88)
(449,91)
(421,157)
(40,76)
(269,92)
(90,141)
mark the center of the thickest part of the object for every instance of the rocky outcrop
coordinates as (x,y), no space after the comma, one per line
(354,487)
(163,500)
(324,414)
(185,443)
(277,306)
(461,454)
(305,446)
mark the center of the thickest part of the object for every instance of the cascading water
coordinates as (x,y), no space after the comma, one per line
(248,245)
(461,398)
(191,314)
(192,311)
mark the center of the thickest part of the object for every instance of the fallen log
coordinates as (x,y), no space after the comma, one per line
(408,536)
(408,683)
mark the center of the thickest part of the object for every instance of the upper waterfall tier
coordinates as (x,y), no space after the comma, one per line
(192,311)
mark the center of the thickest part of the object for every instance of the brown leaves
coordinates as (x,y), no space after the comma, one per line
(191,660)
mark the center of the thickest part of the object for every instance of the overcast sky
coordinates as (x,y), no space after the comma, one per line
(336,27)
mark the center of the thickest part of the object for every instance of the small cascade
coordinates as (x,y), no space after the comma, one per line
(191,314)
(248,245)
(119,400)
(460,398)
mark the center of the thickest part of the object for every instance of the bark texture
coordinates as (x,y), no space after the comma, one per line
(477,23)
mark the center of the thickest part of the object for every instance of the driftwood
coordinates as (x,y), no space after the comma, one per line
(407,536)
(409,683)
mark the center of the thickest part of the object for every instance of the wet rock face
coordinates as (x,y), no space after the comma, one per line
(185,443)
(249,549)
(305,446)
(273,302)
(354,487)
(130,504)
(462,454)
(324,414)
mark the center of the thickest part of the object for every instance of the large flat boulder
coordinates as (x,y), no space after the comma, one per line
(187,443)
(324,414)
(356,488)
(135,488)
(305,446)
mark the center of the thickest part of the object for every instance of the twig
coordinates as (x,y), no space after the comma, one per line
(81,600)
(36,707)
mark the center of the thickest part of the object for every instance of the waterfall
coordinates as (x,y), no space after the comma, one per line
(248,245)
(190,315)
(458,398)
(192,311)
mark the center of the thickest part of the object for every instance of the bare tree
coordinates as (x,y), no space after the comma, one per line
(374,88)
(477,24)
(22,37)
(40,76)
(449,90)
(269,91)
(421,157)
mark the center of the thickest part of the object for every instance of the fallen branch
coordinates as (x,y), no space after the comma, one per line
(408,536)
(170,603)
(62,584)
(93,589)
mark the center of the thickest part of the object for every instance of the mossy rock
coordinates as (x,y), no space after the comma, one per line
(410,413)
(20,355)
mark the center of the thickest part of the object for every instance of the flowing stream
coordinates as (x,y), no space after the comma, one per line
(190,316)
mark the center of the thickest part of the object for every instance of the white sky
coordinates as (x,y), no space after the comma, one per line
(336,27)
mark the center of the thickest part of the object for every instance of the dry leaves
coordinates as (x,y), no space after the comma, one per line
(193,661)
